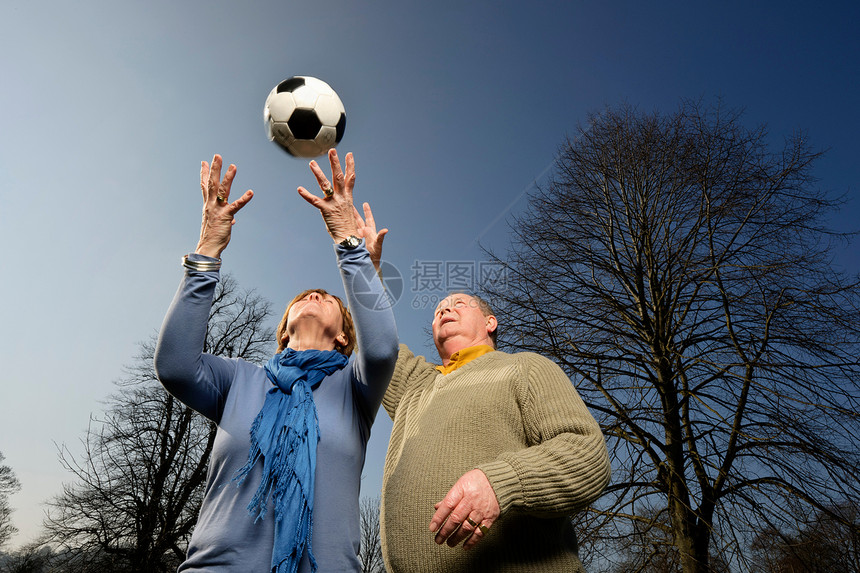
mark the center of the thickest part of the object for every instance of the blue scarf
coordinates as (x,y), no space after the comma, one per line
(285,435)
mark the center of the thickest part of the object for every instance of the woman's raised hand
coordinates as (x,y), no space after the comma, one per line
(218,211)
(335,205)
(372,238)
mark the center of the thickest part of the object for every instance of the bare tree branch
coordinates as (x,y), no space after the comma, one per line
(137,486)
(680,272)
(9,484)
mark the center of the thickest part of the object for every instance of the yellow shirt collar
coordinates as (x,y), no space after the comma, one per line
(462,357)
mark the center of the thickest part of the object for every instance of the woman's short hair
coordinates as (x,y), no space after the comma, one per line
(348,325)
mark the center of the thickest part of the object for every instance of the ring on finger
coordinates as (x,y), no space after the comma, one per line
(328,191)
(222,198)
(471,522)
(484,529)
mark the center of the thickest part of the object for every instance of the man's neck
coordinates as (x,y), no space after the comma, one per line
(464,356)
(450,347)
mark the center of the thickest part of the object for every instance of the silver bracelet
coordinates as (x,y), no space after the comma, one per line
(202,266)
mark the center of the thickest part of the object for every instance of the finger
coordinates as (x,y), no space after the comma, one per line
(204,178)
(316,169)
(227,182)
(336,171)
(310,197)
(380,236)
(214,177)
(461,535)
(452,511)
(322,180)
(368,216)
(350,173)
(236,205)
(455,529)
(443,510)
(358,220)
(464,532)
(475,538)
(481,531)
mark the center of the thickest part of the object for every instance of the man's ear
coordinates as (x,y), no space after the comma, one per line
(492,324)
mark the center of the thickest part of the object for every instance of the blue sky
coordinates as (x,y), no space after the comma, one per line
(454,109)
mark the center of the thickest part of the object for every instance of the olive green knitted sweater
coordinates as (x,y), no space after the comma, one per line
(516,417)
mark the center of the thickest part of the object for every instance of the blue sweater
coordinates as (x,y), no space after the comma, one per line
(231,392)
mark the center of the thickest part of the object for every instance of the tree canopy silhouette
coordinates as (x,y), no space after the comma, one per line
(139,482)
(9,484)
(680,270)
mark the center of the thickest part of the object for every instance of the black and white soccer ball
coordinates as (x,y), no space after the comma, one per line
(304,116)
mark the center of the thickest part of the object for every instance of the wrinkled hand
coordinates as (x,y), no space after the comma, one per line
(471,498)
(218,212)
(336,208)
(372,238)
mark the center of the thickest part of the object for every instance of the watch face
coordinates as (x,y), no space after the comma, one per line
(351,242)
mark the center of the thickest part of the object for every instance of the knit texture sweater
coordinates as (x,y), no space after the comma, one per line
(227,539)
(517,418)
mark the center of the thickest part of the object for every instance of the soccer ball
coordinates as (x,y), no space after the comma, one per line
(304,116)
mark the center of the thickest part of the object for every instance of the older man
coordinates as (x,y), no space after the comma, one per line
(489,449)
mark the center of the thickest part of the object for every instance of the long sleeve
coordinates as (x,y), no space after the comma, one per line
(201,381)
(516,417)
(232,392)
(408,371)
(376,331)
(566,465)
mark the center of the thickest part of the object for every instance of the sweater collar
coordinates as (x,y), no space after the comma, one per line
(464,356)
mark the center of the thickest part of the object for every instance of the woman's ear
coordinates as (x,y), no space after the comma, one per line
(341,340)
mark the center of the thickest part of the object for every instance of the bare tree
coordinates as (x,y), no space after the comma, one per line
(138,484)
(9,484)
(680,272)
(370,553)
(817,544)
(649,548)
(31,558)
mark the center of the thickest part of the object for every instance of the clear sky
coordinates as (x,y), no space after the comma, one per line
(453,110)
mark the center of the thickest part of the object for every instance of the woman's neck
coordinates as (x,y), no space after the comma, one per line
(310,340)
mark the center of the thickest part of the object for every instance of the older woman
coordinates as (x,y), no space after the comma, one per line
(283,482)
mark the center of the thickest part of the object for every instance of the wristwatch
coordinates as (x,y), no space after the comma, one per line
(350,242)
